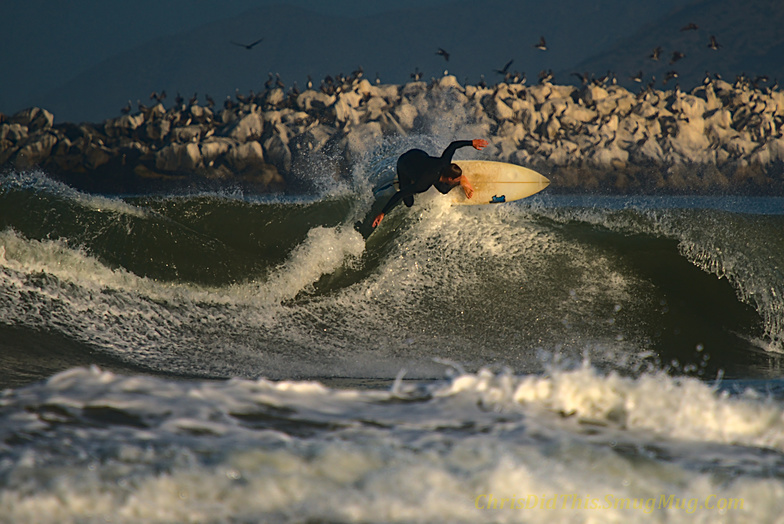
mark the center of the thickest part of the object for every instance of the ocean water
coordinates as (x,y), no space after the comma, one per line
(222,357)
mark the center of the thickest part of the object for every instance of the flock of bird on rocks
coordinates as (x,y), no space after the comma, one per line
(595,136)
(332,85)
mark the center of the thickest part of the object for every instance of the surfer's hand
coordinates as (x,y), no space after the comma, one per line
(378,220)
(478,143)
(468,189)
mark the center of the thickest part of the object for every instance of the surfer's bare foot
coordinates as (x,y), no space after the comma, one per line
(479,143)
(378,220)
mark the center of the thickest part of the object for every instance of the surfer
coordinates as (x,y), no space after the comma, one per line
(417,171)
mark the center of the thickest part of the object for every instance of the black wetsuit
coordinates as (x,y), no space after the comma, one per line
(417,171)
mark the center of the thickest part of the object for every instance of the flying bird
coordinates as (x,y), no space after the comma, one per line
(442,52)
(676,55)
(505,69)
(690,27)
(583,77)
(714,44)
(542,45)
(656,53)
(248,46)
(669,76)
(637,77)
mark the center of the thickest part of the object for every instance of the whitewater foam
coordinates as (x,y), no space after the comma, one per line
(450,451)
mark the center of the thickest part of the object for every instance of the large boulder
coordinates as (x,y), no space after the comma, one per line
(244,157)
(178,158)
(249,127)
(34,119)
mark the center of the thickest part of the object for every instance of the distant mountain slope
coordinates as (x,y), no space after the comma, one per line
(481,38)
(750,32)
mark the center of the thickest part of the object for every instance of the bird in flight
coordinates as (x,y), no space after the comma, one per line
(505,69)
(691,26)
(714,44)
(248,46)
(676,55)
(443,53)
(656,53)
(542,44)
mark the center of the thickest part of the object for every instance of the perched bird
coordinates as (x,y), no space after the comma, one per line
(505,69)
(656,53)
(637,77)
(194,99)
(416,75)
(127,109)
(443,53)
(248,46)
(210,101)
(545,76)
(676,55)
(309,83)
(542,45)
(714,44)
(270,82)
(690,27)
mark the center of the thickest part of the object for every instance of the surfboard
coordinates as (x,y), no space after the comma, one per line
(497,182)
(493,183)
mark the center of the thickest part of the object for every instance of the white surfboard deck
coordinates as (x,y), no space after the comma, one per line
(497,182)
(493,183)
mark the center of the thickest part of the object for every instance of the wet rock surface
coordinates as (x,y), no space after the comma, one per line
(719,137)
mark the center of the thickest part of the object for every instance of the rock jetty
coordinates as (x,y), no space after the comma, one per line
(719,137)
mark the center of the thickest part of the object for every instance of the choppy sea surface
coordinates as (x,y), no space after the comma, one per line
(220,357)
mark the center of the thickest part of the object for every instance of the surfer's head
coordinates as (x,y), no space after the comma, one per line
(451,174)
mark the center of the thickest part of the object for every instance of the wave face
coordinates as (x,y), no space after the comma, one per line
(558,352)
(220,285)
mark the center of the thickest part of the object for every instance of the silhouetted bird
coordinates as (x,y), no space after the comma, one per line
(542,45)
(669,76)
(443,53)
(278,82)
(656,53)
(416,75)
(247,46)
(690,27)
(505,69)
(583,77)
(210,101)
(545,76)
(127,109)
(179,100)
(270,82)
(637,77)
(194,99)
(714,44)
(676,55)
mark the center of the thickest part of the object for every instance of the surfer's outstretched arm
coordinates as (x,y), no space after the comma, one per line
(393,201)
(477,144)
